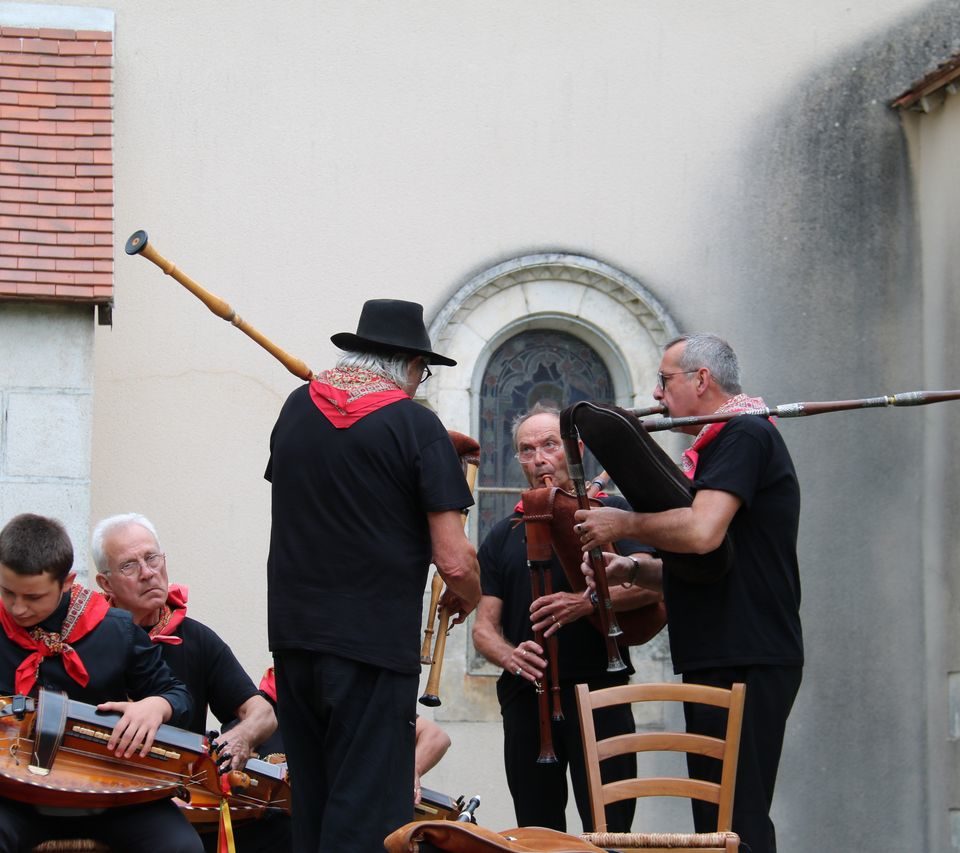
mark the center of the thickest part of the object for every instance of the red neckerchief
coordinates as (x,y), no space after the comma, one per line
(174,611)
(268,684)
(740,403)
(86,610)
(347,394)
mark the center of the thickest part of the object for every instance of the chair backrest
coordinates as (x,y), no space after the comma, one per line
(725,750)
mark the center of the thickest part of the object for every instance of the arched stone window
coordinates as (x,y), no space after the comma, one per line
(605,309)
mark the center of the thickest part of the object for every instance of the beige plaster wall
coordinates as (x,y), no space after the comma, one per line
(299,160)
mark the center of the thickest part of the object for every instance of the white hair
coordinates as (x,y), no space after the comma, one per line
(107,526)
(393,366)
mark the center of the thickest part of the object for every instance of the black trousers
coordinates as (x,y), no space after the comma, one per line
(539,791)
(771,691)
(268,834)
(131,829)
(349,732)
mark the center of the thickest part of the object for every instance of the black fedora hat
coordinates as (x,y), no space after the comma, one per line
(392,325)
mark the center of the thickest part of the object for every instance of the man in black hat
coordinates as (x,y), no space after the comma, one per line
(367,490)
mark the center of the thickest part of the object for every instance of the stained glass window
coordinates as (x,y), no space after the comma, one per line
(538,365)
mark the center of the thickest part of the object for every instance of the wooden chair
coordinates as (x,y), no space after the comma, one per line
(726,750)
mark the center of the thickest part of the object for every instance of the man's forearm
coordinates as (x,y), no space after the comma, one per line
(670,530)
(257,720)
(455,557)
(432,745)
(642,572)
(645,590)
(491,644)
(697,529)
(463,579)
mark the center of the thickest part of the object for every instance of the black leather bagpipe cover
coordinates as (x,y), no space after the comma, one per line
(647,478)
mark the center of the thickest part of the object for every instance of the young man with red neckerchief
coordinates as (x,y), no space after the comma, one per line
(59,635)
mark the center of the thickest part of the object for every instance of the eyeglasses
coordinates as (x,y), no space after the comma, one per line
(548,448)
(663,377)
(131,567)
(425,373)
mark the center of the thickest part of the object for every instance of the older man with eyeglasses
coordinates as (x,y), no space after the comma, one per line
(132,572)
(745,625)
(503,633)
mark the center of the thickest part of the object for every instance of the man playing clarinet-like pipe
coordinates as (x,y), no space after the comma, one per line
(503,633)
(744,626)
(367,490)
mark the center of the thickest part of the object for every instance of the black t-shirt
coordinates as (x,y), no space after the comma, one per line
(752,615)
(119,657)
(350,543)
(582,651)
(210,670)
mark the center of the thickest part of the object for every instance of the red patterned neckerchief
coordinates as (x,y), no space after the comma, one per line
(347,394)
(85,611)
(173,612)
(740,403)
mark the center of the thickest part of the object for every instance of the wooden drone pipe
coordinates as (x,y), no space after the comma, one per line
(138,244)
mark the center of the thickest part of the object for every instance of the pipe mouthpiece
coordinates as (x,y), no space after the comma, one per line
(136,242)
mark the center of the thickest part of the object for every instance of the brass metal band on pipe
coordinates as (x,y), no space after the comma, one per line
(800,410)
(138,244)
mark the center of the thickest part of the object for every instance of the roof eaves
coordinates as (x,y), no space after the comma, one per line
(944,80)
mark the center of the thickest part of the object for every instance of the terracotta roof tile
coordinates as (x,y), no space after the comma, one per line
(56,164)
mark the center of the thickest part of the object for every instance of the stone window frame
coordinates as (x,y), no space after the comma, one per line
(609,309)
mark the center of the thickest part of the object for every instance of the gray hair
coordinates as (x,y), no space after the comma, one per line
(713,353)
(107,526)
(394,366)
(537,408)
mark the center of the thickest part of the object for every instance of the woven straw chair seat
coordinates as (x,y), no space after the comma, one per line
(662,840)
